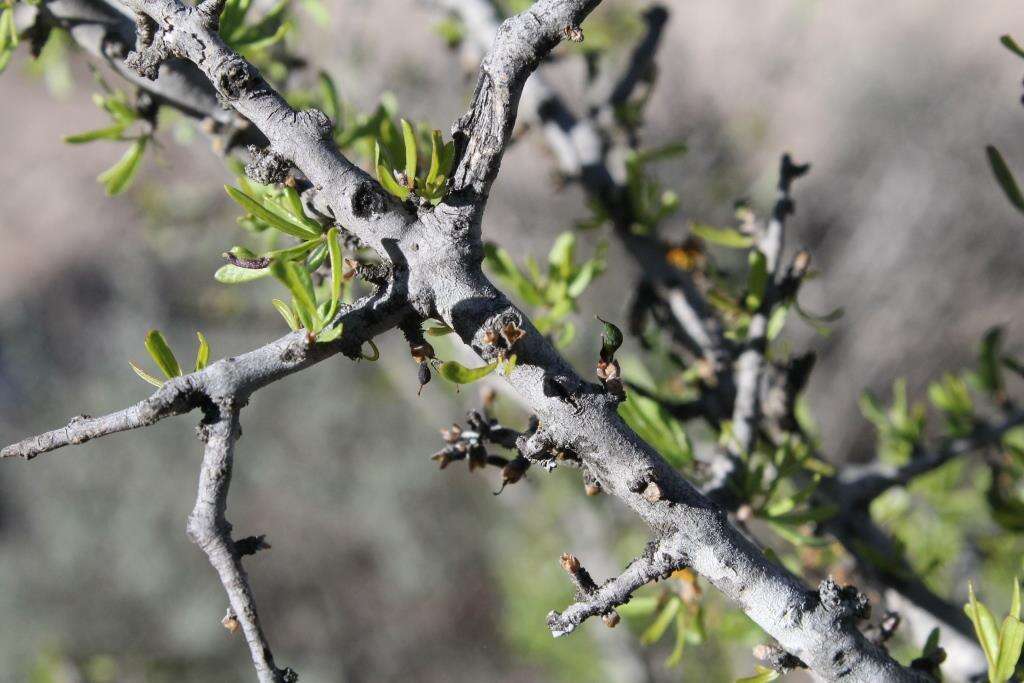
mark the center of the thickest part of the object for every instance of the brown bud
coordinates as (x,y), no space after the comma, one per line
(744,512)
(422,352)
(230,621)
(490,337)
(441,458)
(570,563)
(652,494)
(451,435)
(512,333)
(611,619)
(801,263)
(592,489)
(574,33)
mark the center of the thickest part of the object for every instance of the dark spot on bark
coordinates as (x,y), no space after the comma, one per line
(366,201)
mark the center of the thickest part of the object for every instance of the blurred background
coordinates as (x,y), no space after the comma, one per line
(382,567)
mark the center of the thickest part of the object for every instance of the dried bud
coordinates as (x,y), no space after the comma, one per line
(423,376)
(611,619)
(744,512)
(570,563)
(422,352)
(574,33)
(652,493)
(512,333)
(801,263)
(442,458)
(592,489)
(490,337)
(452,435)
(230,621)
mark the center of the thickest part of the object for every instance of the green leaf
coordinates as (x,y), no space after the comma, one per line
(763,675)
(386,177)
(672,149)
(454,371)
(162,354)
(1011,639)
(581,280)
(638,607)
(330,334)
(984,626)
(296,278)
(113,132)
(294,253)
(657,629)
(723,237)
(561,256)
(436,148)
(757,279)
(776,322)
(331,102)
(989,370)
(1015,601)
(146,376)
(116,179)
(287,313)
(1012,46)
(376,352)
(270,217)
(203,354)
(409,137)
(230,274)
(931,644)
(439,330)
(611,340)
(1005,178)
(337,273)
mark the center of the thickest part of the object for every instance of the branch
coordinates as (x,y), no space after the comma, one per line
(748,367)
(209,528)
(483,133)
(353,198)
(235,378)
(859,485)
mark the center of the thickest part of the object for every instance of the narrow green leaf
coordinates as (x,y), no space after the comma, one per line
(294,253)
(230,274)
(331,102)
(409,137)
(776,322)
(763,675)
(638,607)
(510,365)
(1005,178)
(581,280)
(757,279)
(113,132)
(1011,45)
(162,354)
(203,354)
(984,626)
(337,273)
(1011,639)
(453,371)
(560,257)
(1015,601)
(145,375)
(287,313)
(118,177)
(436,148)
(931,644)
(299,283)
(723,237)
(386,176)
(275,220)
(657,629)
(989,370)
(438,330)
(329,334)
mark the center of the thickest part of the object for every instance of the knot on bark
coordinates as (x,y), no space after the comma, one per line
(209,13)
(844,601)
(317,122)
(777,659)
(147,60)
(234,78)
(367,200)
(266,166)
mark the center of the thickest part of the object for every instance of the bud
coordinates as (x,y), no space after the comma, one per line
(592,489)
(652,493)
(570,563)
(611,619)
(423,376)
(230,621)
(422,352)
